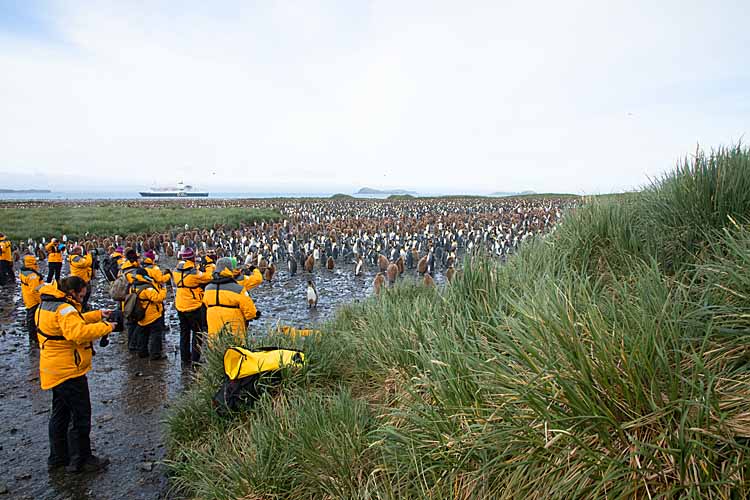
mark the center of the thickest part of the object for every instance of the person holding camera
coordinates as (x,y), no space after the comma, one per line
(189,284)
(66,338)
(229,307)
(54,260)
(82,266)
(6,261)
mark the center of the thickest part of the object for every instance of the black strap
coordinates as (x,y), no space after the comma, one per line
(49,337)
(219,304)
(32,270)
(181,282)
(37,315)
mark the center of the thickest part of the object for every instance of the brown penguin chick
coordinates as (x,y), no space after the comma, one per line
(450,274)
(309,263)
(330,263)
(270,271)
(428,281)
(382,263)
(170,251)
(400,265)
(262,266)
(378,283)
(414,255)
(16,255)
(422,265)
(391,272)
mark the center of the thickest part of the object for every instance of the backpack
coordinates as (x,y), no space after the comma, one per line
(120,288)
(132,308)
(249,374)
(109,268)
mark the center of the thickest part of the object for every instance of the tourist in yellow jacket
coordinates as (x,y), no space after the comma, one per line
(30,283)
(209,263)
(148,330)
(149,264)
(54,260)
(6,261)
(228,304)
(65,340)
(83,267)
(161,278)
(129,267)
(250,278)
(190,282)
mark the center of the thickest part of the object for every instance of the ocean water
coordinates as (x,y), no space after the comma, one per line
(126,195)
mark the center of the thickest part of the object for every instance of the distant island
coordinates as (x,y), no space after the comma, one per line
(504,193)
(25,191)
(366,190)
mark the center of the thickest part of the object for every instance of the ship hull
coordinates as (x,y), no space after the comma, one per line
(174,194)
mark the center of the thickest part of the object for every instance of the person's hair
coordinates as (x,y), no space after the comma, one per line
(131,254)
(72,284)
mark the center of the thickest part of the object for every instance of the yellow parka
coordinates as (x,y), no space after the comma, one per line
(5,250)
(128,268)
(30,282)
(151,297)
(228,306)
(250,282)
(209,265)
(189,282)
(53,252)
(81,266)
(117,257)
(65,337)
(153,270)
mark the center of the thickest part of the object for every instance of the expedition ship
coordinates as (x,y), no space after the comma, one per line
(180,191)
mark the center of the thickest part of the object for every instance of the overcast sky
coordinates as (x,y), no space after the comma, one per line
(317,96)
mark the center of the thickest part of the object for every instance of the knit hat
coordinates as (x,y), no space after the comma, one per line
(187,254)
(149,254)
(224,265)
(118,250)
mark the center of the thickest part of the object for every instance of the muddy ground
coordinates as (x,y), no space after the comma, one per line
(129,396)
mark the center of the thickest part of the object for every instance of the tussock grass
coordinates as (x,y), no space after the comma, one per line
(106,220)
(608,360)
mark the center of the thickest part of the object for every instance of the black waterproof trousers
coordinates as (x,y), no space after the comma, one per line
(71,407)
(191,324)
(6,272)
(53,271)
(31,325)
(149,340)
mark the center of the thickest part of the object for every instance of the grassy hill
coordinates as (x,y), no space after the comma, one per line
(608,360)
(77,221)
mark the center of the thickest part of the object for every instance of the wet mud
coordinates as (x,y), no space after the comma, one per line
(130,396)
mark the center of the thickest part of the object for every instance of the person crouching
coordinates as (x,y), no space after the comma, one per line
(229,307)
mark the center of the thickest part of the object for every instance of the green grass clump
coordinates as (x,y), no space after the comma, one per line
(607,360)
(106,220)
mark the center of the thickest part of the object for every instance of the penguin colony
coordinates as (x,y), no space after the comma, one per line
(320,235)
